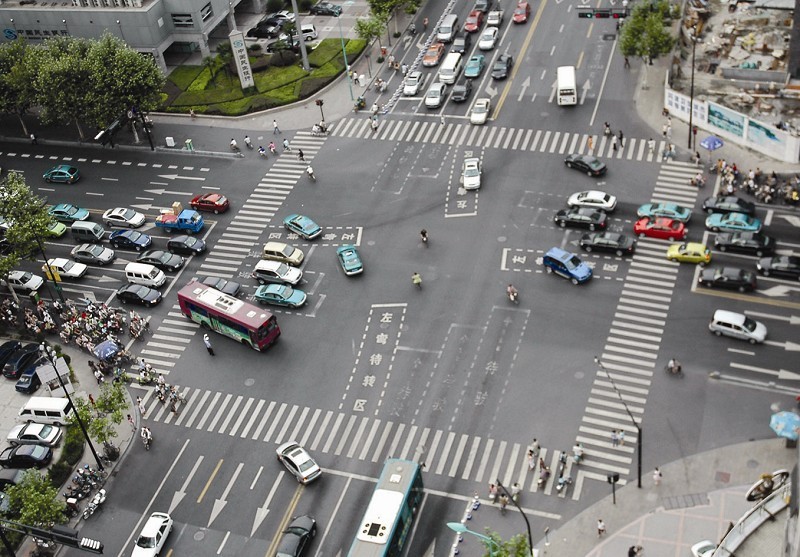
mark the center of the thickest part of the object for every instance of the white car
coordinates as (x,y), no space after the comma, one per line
(703,549)
(593,198)
(23,280)
(471,174)
(287,14)
(268,271)
(34,434)
(298,462)
(488,38)
(495,18)
(435,96)
(65,268)
(122,216)
(413,83)
(153,536)
(480,112)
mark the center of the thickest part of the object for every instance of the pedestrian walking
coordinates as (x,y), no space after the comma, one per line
(172,407)
(404,69)
(275,128)
(627,62)
(531,460)
(535,448)
(503,503)
(601,527)
(374,125)
(99,376)
(286,145)
(651,146)
(130,421)
(391,60)
(590,143)
(207,342)
(635,550)
(621,139)
(34,139)
(657,477)
(664,131)
(300,155)
(91,400)
(192,115)
(614,143)
(140,405)
(621,437)
(614,438)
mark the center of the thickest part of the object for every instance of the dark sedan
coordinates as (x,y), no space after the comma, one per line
(186,245)
(781,266)
(130,239)
(162,259)
(7,351)
(502,66)
(618,244)
(751,243)
(267,28)
(22,359)
(461,91)
(585,163)
(297,536)
(728,204)
(138,294)
(731,278)
(29,382)
(326,8)
(581,218)
(25,456)
(225,286)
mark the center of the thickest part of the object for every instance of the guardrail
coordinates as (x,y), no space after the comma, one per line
(765,510)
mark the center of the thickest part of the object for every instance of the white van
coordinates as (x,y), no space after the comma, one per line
(737,325)
(84,231)
(45,410)
(450,68)
(447,30)
(142,273)
(567,92)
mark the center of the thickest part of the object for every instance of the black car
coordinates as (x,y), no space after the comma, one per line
(26,456)
(7,351)
(608,241)
(267,28)
(581,217)
(483,5)
(297,536)
(585,163)
(130,239)
(138,294)
(728,204)
(502,66)
(781,265)
(29,381)
(461,43)
(732,278)
(751,243)
(22,359)
(326,8)
(186,245)
(225,286)
(162,259)
(461,91)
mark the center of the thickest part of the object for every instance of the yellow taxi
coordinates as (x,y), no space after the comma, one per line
(689,252)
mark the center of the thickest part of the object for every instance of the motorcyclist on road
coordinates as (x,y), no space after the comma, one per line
(248,142)
(416,278)
(424,235)
(310,172)
(512,292)
(262,151)
(674,366)
(234,145)
(272,147)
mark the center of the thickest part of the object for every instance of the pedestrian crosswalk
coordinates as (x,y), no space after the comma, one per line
(237,242)
(499,137)
(631,352)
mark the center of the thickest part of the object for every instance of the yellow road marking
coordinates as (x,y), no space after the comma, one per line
(210,479)
(287,516)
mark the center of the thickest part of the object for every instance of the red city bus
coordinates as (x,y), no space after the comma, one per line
(229,316)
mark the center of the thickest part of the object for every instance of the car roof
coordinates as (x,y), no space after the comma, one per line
(153,524)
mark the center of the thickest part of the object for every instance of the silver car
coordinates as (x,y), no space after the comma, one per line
(34,434)
(93,253)
(298,462)
(435,96)
(413,83)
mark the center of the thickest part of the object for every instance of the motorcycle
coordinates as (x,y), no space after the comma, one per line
(360,103)
(513,295)
(72,509)
(563,482)
(544,475)
(98,499)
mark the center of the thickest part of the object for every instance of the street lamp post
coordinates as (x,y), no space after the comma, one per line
(524,516)
(50,354)
(635,423)
(346,63)
(691,87)
(319,103)
(461,529)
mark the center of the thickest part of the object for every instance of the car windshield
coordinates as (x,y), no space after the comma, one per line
(287,251)
(283,268)
(68,265)
(190,241)
(479,109)
(286,291)
(307,465)
(96,250)
(45,431)
(471,172)
(146,542)
(519,11)
(572,263)
(133,235)
(127,214)
(749,324)
(412,80)
(25,277)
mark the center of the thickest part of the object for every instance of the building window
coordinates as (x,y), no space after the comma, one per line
(182,20)
(206,12)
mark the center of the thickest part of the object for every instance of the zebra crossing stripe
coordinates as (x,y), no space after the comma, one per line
(282,432)
(512,463)
(554,142)
(409,440)
(252,419)
(336,424)
(526,140)
(300,421)
(220,412)
(459,452)
(396,440)
(322,430)
(368,443)
(314,417)
(473,452)
(443,459)
(484,459)
(431,128)
(382,442)
(347,429)
(501,451)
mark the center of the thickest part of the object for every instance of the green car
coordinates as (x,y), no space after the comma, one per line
(63,173)
(65,212)
(475,66)
(57,229)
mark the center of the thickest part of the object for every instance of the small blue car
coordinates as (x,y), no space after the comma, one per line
(567,265)
(350,260)
(302,225)
(669,210)
(280,295)
(732,222)
(475,66)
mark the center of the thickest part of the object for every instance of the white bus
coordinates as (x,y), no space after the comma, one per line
(566,89)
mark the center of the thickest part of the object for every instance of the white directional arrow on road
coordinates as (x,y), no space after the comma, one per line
(491,91)
(790,346)
(780,374)
(779,290)
(525,85)
(178,496)
(792,319)
(103,278)
(162,192)
(220,503)
(177,176)
(794,220)
(263,510)
(147,207)
(585,90)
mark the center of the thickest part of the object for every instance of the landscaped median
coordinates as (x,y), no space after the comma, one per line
(279,79)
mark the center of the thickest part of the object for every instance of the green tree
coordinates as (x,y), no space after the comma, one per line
(371,28)
(18,67)
(515,547)
(35,501)
(109,408)
(644,34)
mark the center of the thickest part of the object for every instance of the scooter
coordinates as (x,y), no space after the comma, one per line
(513,295)
(72,507)
(563,482)
(544,474)
(98,499)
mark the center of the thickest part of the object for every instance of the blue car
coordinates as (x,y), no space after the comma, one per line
(280,295)
(303,226)
(64,212)
(130,239)
(350,260)
(669,210)
(474,66)
(62,173)
(732,222)
(567,265)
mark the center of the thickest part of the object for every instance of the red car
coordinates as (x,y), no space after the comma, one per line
(521,12)
(660,227)
(211,202)
(474,21)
